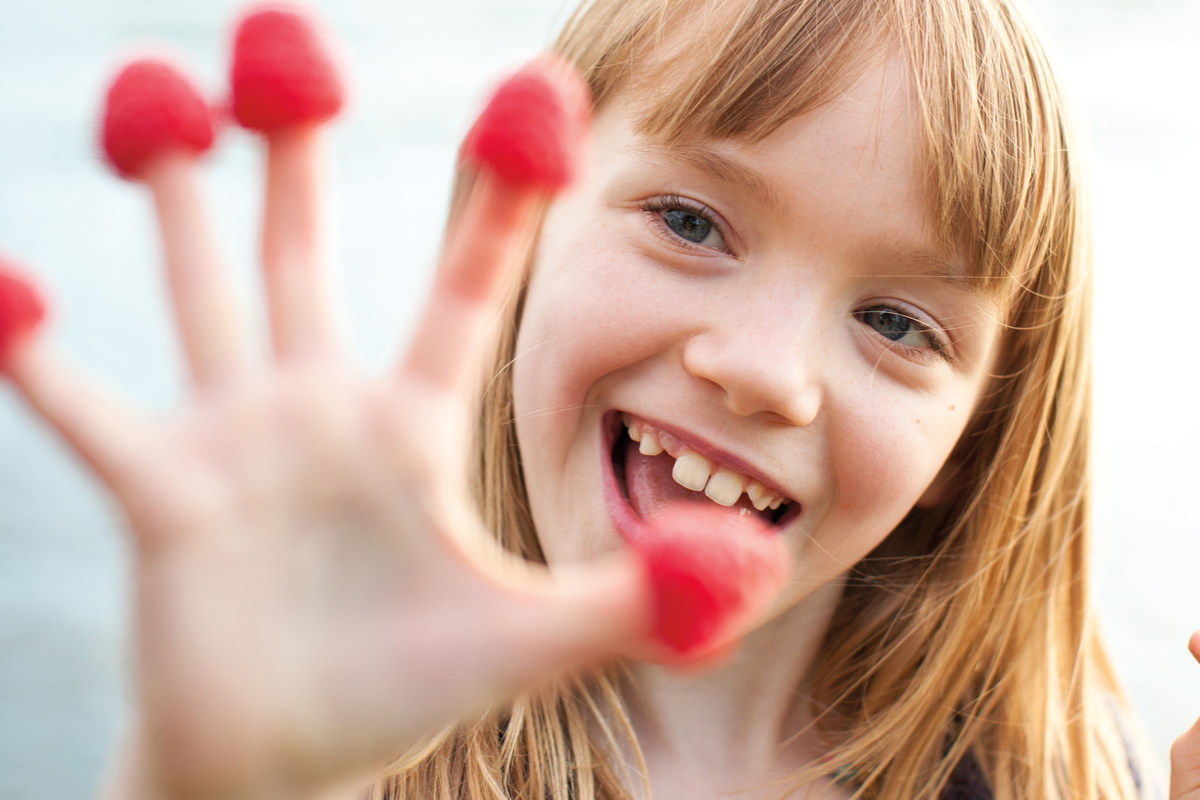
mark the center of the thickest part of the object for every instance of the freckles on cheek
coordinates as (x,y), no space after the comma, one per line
(575,331)
(881,471)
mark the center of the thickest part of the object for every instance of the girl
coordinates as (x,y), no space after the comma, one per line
(826,262)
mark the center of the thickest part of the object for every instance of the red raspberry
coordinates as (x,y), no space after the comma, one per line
(531,132)
(707,570)
(150,107)
(21,308)
(283,73)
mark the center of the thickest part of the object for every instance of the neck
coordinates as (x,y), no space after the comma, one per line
(743,722)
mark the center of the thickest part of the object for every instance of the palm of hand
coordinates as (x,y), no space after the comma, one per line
(299,560)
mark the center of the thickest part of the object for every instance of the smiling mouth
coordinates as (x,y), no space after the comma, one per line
(654,469)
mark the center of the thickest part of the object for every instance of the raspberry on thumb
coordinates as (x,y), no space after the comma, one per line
(709,572)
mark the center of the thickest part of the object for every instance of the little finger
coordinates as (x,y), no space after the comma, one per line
(105,432)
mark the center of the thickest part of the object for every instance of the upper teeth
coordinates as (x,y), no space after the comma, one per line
(694,471)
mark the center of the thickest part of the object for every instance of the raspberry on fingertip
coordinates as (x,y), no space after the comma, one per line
(708,572)
(22,309)
(152,107)
(284,72)
(532,130)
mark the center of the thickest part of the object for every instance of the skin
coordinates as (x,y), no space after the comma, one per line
(313,594)
(750,343)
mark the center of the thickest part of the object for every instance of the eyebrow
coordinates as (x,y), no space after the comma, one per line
(921,261)
(701,157)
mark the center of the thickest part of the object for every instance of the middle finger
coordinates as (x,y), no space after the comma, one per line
(292,247)
(285,83)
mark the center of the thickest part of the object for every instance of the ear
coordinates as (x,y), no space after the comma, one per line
(942,484)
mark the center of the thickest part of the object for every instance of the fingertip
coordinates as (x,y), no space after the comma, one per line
(284,71)
(152,107)
(22,309)
(532,130)
(1194,645)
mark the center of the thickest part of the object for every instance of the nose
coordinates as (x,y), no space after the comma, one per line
(761,367)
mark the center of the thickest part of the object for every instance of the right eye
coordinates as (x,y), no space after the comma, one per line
(685,220)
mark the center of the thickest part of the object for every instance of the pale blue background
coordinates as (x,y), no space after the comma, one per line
(419,69)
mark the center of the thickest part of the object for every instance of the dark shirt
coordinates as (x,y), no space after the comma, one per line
(967,782)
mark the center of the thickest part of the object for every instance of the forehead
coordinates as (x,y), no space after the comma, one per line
(863,143)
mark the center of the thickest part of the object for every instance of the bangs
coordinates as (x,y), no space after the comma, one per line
(729,70)
(739,69)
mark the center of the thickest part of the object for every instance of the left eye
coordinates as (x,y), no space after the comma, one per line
(899,327)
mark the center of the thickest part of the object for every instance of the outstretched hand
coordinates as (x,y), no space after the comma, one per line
(314,594)
(1185,752)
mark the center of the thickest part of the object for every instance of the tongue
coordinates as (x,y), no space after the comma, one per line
(651,488)
(650,485)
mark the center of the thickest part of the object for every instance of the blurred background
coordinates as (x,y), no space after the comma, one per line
(419,70)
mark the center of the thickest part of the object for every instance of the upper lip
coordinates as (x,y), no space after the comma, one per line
(715,454)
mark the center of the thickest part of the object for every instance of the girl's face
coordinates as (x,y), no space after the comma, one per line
(779,312)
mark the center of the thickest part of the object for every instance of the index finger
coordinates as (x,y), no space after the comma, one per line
(523,148)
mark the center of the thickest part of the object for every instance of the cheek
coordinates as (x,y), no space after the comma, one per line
(882,464)
(581,330)
(584,320)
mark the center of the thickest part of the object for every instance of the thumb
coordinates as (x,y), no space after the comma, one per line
(683,594)
(575,615)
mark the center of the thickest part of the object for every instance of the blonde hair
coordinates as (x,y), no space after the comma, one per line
(967,637)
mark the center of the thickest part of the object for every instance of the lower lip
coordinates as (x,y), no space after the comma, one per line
(628,524)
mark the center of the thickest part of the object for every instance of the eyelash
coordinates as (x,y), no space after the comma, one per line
(938,347)
(656,206)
